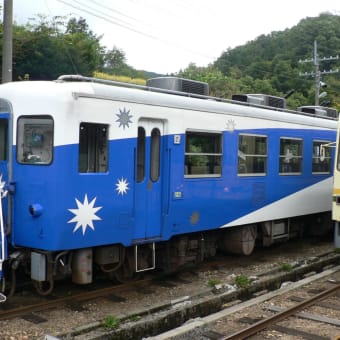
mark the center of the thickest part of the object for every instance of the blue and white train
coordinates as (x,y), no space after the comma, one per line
(98,176)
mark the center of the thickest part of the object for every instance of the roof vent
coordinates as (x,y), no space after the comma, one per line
(261,99)
(179,84)
(319,111)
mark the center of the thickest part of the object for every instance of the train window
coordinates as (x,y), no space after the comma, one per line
(155,154)
(141,155)
(3,139)
(203,154)
(252,155)
(35,140)
(290,161)
(321,163)
(93,147)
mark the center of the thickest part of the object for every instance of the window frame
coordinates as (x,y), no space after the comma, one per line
(322,142)
(254,156)
(217,155)
(299,157)
(4,125)
(338,153)
(93,155)
(21,144)
(155,154)
(141,154)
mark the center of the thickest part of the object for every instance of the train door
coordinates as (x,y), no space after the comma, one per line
(4,148)
(148,194)
(5,156)
(5,177)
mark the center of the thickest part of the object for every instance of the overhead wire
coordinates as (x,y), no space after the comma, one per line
(93,11)
(115,11)
(123,25)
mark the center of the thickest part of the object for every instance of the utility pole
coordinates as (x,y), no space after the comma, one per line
(317,73)
(7,44)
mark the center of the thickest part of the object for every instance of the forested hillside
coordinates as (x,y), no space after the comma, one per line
(45,48)
(270,64)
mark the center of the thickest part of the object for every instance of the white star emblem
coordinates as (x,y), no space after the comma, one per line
(230,125)
(3,192)
(122,186)
(85,214)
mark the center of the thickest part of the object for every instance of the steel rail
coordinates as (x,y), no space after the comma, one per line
(60,301)
(266,323)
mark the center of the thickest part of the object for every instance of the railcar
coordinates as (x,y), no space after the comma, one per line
(336,193)
(98,176)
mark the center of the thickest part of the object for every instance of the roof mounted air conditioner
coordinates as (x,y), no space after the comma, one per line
(261,99)
(179,84)
(319,111)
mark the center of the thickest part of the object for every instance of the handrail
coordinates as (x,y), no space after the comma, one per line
(3,194)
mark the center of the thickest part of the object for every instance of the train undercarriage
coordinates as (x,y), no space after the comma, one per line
(125,263)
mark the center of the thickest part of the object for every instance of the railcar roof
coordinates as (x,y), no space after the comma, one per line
(63,91)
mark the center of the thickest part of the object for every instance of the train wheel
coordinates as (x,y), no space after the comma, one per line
(239,240)
(123,274)
(44,287)
(126,271)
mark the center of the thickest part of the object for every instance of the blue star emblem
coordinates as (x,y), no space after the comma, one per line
(124,118)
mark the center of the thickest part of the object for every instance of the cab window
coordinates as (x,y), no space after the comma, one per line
(35,140)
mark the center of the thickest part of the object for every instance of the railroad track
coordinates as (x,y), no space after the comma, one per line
(77,298)
(113,292)
(229,322)
(8,310)
(120,295)
(271,322)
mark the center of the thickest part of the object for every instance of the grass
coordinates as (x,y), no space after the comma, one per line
(242,281)
(213,282)
(286,267)
(111,322)
(135,318)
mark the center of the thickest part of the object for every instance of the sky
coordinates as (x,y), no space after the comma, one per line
(165,36)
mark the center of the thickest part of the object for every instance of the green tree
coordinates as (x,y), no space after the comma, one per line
(114,61)
(49,48)
(275,58)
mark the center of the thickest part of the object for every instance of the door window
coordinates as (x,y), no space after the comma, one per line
(155,154)
(3,139)
(141,155)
